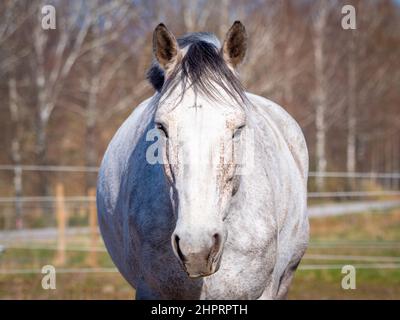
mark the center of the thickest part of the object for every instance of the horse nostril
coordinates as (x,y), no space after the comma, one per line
(217,243)
(178,249)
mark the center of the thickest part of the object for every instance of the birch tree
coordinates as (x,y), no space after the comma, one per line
(54,55)
(320,24)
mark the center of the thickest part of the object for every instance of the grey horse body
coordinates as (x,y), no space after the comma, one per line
(267,225)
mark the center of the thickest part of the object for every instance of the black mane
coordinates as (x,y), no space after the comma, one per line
(201,67)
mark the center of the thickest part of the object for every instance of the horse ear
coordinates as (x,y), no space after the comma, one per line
(165,47)
(235,44)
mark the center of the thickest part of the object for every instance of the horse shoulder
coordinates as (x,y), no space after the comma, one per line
(114,163)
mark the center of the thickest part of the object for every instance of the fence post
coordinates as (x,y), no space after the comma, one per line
(92,257)
(61,225)
(18,195)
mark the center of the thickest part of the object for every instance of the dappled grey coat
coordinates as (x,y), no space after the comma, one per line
(267,224)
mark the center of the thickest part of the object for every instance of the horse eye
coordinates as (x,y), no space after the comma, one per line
(161,127)
(237,132)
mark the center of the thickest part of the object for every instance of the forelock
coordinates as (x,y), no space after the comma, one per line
(202,68)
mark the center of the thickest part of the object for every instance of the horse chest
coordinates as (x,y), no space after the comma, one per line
(240,277)
(246,267)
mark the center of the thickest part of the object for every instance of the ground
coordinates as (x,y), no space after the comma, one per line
(369,241)
(373,236)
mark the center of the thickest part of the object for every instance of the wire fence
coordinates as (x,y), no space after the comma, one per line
(370,262)
(392,177)
(93,169)
(18,206)
(305,267)
(310,195)
(56,216)
(80,169)
(332,174)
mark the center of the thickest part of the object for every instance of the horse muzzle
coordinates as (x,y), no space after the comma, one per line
(199,261)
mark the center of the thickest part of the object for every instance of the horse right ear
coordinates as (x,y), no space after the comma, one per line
(165,47)
(235,44)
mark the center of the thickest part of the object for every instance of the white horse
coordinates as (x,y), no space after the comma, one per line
(202,223)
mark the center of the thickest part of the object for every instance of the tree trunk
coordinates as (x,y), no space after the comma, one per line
(321,98)
(351,112)
(16,149)
(41,155)
(90,156)
(320,146)
(396,162)
(91,120)
(43,114)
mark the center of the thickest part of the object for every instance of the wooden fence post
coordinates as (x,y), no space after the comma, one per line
(93,226)
(61,225)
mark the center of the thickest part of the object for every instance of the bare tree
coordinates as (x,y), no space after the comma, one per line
(54,55)
(16,156)
(320,25)
(351,107)
(99,93)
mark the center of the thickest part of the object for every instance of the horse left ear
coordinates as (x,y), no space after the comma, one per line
(165,47)
(235,44)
